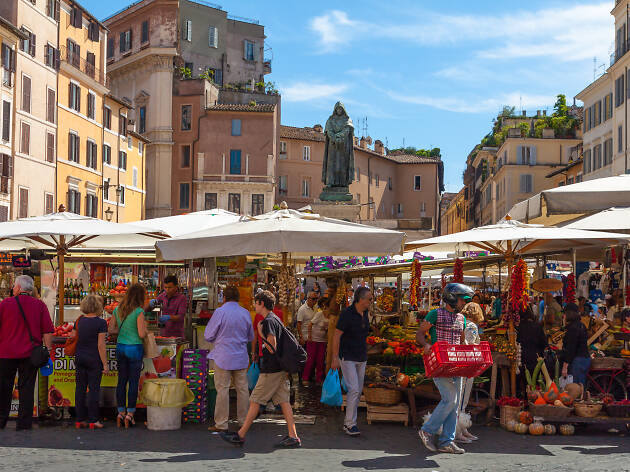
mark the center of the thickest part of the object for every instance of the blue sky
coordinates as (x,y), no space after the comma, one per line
(431,73)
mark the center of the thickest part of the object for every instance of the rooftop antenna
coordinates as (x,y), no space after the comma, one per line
(520,104)
(596,67)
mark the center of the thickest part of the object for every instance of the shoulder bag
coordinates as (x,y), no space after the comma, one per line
(39,354)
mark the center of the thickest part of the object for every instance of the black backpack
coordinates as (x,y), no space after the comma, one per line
(291,356)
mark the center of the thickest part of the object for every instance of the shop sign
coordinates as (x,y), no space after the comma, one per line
(21,261)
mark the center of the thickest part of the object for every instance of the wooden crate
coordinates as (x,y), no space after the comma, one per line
(396,413)
(362,403)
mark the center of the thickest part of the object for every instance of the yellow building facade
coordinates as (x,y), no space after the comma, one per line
(454,218)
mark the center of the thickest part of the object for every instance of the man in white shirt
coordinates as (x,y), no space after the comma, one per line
(304,316)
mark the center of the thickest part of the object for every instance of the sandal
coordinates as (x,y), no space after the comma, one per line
(120,419)
(129,421)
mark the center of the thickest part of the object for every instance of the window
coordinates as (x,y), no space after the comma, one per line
(73,147)
(213,37)
(378,180)
(235,161)
(619,91)
(187,30)
(90,66)
(417,182)
(140,147)
(526,183)
(306,188)
(283,149)
(106,189)
(50,147)
(73,53)
(184,195)
(423,208)
(74,97)
(122,125)
(23,205)
(526,155)
(608,151)
(608,107)
(358,175)
(93,31)
(210,201)
(258,204)
(52,9)
(598,112)
(282,184)
(142,121)
(107,118)
(6,172)
(620,139)
(26,94)
(122,160)
(8,64)
(400,210)
(186,156)
(110,48)
(597,157)
(488,195)
(107,154)
(6,120)
(74,201)
(121,198)
(129,143)
(51,105)
(91,206)
(50,56)
(28,45)
(125,41)
(306,153)
(91,108)
(134,177)
(390,184)
(190,66)
(186,117)
(249,51)
(76,17)
(49,203)
(91,154)
(587,161)
(25,141)
(236,127)
(234,202)
(144,33)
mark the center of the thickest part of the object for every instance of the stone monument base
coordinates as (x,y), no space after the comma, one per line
(336,194)
(349,211)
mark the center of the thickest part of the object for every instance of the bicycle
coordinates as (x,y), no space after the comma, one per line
(607,382)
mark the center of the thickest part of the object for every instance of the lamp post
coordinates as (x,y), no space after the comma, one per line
(119,190)
(108,214)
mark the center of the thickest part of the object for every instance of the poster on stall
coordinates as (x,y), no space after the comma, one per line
(40,395)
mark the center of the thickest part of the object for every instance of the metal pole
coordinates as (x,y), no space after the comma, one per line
(625,275)
(61,288)
(574,261)
(430,292)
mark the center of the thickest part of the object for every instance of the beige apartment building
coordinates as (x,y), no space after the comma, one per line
(35,117)
(388,187)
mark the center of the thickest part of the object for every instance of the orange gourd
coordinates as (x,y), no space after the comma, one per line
(525,417)
(403,380)
(551,395)
(566,399)
(540,401)
(536,429)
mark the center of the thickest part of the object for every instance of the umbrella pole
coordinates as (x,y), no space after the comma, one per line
(511,330)
(62,274)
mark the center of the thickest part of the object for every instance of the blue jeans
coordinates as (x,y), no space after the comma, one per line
(579,368)
(129,357)
(445,414)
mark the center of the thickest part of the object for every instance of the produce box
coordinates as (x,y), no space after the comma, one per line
(457,360)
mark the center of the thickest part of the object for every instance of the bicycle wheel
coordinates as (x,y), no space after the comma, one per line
(606,384)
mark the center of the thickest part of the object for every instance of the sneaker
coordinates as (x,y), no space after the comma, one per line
(232,438)
(460,438)
(288,441)
(472,437)
(451,448)
(428,440)
(351,431)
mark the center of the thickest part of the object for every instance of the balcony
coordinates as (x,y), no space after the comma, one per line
(87,68)
(4,185)
(620,50)
(267,66)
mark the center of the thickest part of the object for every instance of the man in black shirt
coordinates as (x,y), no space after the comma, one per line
(273,382)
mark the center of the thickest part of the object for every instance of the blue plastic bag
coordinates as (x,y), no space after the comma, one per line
(331,390)
(252,375)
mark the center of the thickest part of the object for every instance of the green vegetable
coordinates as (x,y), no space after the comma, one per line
(556,377)
(528,377)
(537,371)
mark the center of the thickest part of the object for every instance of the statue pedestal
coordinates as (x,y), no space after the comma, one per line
(336,194)
(348,211)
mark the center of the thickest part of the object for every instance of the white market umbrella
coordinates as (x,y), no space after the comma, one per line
(179,225)
(284,231)
(64,230)
(612,219)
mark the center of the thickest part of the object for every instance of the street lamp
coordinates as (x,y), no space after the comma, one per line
(108,214)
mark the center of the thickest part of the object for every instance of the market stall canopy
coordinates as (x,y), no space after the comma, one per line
(179,225)
(282,231)
(613,219)
(572,201)
(511,238)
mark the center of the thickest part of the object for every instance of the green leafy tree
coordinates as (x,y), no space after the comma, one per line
(560,107)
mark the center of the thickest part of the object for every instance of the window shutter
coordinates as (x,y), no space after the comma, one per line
(77,202)
(532,155)
(50,147)
(212,37)
(145,32)
(70,156)
(5,52)
(522,184)
(3,158)
(27,138)
(78,99)
(6,120)
(130,40)
(26,94)
(57,8)
(23,203)
(121,44)
(519,155)
(244,49)
(32,44)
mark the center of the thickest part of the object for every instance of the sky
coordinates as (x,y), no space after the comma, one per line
(425,73)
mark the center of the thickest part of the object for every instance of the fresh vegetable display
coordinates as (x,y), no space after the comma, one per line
(372,340)
(385,301)
(518,297)
(458,271)
(287,283)
(119,290)
(64,330)
(570,298)
(509,401)
(415,284)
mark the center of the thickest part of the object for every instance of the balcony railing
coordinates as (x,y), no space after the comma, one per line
(620,51)
(89,69)
(266,179)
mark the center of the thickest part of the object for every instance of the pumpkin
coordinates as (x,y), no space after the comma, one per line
(510,425)
(566,399)
(550,429)
(402,380)
(525,417)
(521,428)
(575,390)
(536,429)
(551,395)
(567,429)
(540,401)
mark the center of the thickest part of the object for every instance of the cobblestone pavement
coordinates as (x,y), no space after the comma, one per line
(381,447)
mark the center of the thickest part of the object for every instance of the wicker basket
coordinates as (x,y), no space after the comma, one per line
(607,363)
(588,410)
(618,411)
(382,396)
(550,411)
(508,413)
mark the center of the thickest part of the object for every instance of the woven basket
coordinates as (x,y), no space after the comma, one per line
(605,363)
(382,396)
(588,410)
(618,411)
(508,413)
(550,411)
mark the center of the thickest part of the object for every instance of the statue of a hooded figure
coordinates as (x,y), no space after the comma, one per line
(338,165)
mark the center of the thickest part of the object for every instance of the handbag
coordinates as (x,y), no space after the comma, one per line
(70,346)
(39,354)
(252,375)
(150,346)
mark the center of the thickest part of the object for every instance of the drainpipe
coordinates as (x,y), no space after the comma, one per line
(118,192)
(625,118)
(193,154)
(102,160)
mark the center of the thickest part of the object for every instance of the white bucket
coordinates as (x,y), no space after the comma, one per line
(163,418)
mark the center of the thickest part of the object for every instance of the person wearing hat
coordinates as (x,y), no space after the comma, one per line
(575,358)
(447,325)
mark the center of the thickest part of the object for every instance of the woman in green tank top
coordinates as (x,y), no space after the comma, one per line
(132,329)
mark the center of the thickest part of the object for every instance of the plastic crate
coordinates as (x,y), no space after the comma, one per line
(457,360)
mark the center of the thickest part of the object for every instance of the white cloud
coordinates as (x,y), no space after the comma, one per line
(574,33)
(304,92)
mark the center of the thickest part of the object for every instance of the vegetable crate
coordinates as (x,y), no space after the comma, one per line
(457,360)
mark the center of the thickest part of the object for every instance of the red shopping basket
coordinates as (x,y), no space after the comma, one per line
(457,360)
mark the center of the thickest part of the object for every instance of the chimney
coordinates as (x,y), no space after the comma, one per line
(363,143)
(524,112)
(537,113)
(379,148)
(368,140)
(544,112)
(356,140)
(318,128)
